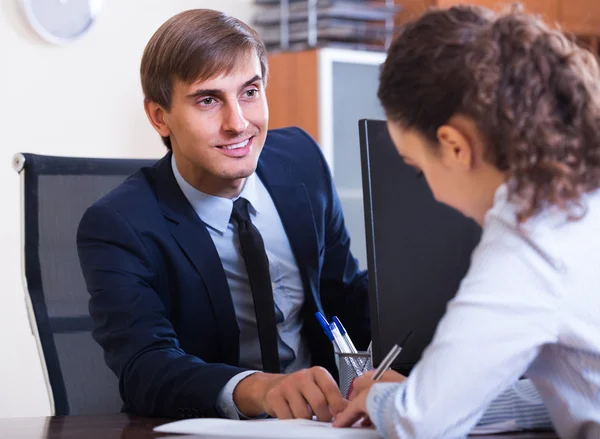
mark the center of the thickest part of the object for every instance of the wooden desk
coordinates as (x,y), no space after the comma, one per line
(126,427)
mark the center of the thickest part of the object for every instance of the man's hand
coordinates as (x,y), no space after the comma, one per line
(301,394)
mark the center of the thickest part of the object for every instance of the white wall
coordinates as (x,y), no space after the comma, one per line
(80,100)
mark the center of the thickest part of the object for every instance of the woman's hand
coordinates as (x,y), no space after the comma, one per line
(357,408)
(365,381)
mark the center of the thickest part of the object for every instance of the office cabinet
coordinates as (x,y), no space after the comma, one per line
(582,17)
(548,9)
(326,91)
(578,17)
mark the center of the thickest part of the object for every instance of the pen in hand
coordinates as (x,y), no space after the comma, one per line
(385,364)
(357,407)
(389,358)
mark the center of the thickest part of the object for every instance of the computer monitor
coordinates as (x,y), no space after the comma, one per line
(418,250)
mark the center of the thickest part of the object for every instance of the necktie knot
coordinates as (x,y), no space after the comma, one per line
(240,210)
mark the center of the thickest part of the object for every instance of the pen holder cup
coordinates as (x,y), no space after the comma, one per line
(352,366)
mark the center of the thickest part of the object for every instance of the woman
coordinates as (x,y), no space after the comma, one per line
(502,116)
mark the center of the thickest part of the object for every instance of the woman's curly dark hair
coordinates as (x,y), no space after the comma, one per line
(533,93)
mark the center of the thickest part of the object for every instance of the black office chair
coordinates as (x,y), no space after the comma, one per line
(55,193)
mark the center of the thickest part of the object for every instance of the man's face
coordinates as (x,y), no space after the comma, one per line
(218,127)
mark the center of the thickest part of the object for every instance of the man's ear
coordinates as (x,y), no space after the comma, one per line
(156,116)
(455,148)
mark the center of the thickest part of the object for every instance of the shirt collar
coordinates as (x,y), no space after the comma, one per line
(251,193)
(501,194)
(215,211)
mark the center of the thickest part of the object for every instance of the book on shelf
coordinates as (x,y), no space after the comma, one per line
(298,24)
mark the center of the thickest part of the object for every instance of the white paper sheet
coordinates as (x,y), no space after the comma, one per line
(264,429)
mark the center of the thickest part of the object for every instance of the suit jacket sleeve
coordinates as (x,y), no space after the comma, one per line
(156,377)
(343,286)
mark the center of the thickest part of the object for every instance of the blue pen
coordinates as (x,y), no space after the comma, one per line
(344,347)
(345,335)
(325,325)
(341,341)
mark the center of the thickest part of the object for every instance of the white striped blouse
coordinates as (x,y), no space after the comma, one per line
(528,306)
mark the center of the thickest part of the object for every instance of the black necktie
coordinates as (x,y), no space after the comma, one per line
(257,266)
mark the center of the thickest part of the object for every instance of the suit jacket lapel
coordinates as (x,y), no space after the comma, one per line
(293,205)
(294,208)
(192,236)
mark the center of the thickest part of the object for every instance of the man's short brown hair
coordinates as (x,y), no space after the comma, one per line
(198,44)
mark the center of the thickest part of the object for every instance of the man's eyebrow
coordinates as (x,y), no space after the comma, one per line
(255,78)
(206,92)
(219,93)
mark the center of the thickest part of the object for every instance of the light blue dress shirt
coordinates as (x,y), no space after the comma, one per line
(288,291)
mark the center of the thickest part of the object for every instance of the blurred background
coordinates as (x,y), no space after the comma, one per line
(84,99)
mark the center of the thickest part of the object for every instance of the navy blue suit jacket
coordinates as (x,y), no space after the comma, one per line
(160,301)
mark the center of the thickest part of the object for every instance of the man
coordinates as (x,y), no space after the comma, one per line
(203,272)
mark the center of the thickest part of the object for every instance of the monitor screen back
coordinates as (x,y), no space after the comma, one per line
(418,249)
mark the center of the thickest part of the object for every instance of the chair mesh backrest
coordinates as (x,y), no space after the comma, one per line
(57,191)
